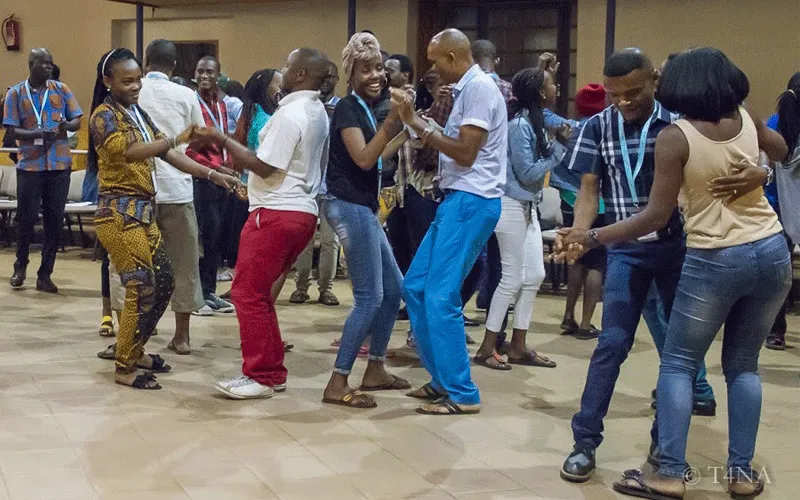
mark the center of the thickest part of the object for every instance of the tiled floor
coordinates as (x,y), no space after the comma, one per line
(67,432)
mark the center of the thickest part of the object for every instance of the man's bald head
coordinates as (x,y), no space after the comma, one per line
(40,65)
(451,54)
(306,69)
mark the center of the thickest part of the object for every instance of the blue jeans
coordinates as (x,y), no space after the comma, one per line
(376,279)
(656,319)
(433,283)
(743,288)
(632,268)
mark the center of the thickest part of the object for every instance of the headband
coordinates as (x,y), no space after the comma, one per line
(103,70)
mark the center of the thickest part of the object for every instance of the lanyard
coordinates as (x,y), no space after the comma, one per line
(37,112)
(216,123)
(140,123)
(374,124)
(214,118)
(626,159)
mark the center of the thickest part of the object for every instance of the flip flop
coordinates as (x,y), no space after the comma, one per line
(109,352)
(287,347)
(569,327)
(353,399)
(448,407)
(431,394)
(107,327)
(143,381)
(397,384)
(502,361)
(158,366)
(531,358)
(633,484)
(179,352)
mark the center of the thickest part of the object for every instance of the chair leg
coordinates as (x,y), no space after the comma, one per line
(80,230)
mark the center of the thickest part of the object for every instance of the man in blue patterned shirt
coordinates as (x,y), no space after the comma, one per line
(41,111)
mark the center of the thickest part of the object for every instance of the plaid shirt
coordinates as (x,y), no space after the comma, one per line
(19,113)
(504,86)
(597,151)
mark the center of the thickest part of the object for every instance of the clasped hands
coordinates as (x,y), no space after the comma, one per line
(571,244)
(223,177)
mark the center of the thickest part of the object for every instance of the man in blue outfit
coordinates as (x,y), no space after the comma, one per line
(472,166)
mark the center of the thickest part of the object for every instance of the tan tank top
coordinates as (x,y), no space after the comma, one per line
(708,221)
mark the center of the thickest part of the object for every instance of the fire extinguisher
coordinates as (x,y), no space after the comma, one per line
(11,33)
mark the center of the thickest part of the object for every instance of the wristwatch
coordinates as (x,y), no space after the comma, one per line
(593,241)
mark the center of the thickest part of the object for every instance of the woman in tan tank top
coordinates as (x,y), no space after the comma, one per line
(737,270)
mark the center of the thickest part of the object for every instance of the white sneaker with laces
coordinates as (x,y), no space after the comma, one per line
(243,387)
(203,311)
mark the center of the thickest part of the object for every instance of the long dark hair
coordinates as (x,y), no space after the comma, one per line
(256,92)
(104,66)
(527,87)
(789,113)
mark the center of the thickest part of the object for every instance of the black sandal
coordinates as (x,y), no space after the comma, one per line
(143,381)
(775,343)
(158,366)
(431,394)
(502,364)
(639,488)
(532,358)
(109,352)
(449,407)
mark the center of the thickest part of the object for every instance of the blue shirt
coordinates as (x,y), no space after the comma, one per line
(61,105)
(771,189)
(554,121)
(525,177)
(234,105)
(597,151)
(478,103)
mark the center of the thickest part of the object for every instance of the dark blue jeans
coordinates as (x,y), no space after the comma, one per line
(632,267)
(743,288)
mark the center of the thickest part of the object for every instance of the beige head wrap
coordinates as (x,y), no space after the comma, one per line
(361,47)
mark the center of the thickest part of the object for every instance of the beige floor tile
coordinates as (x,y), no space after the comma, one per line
(236,492)
(64,422)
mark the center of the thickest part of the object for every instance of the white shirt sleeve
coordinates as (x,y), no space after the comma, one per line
(196,113)
(280,139)
(478,109)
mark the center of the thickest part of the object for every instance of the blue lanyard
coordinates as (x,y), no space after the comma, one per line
(37,112)
(374,123)
(154,75)
(211,114)
(626,158)
(140,124)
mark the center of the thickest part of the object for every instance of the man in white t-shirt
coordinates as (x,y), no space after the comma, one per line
(173,109)
(285,176)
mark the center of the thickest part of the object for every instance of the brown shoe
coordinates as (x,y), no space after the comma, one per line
(743,486)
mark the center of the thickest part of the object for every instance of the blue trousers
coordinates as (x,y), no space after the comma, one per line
(741,287)
(432,289)
(632,268)
(656,319)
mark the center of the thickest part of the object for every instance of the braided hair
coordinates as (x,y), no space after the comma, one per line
(101,92)
(789,113)
(256,91)
(527,88)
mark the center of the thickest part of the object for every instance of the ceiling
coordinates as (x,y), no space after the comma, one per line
(184,3)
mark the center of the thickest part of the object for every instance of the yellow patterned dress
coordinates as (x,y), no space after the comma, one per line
(127,229)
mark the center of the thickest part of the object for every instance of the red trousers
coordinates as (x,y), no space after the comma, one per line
(271,241)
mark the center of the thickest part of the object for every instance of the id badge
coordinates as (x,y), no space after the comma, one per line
(648,238)
(38,142)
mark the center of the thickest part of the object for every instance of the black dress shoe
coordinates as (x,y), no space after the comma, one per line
(471,322)
(699,408)
(579,466)
(46,285)
(402,314)
(18,278)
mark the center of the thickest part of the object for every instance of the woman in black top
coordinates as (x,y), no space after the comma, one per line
(353,180)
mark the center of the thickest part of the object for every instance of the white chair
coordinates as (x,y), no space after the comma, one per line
(8,200)
(76,207)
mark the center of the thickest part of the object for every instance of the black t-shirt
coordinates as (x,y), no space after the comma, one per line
(345,180)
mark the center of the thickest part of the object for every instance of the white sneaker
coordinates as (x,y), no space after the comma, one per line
(204,311)
(279,387)
(243,387)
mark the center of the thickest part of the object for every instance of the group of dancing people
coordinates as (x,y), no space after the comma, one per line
(668,178)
